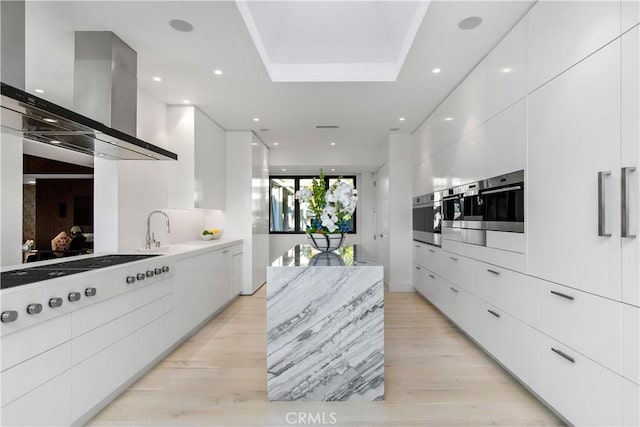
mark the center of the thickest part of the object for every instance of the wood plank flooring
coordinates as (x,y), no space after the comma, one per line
(434,376)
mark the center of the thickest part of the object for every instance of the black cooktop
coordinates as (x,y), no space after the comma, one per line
(10,279)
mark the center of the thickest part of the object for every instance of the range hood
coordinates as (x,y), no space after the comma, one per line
(43,121)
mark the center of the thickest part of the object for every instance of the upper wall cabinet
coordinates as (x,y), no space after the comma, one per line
(506,71)
(630,14)
(507,137)
(573,228)
(465,109)
(198,178)
(562,33)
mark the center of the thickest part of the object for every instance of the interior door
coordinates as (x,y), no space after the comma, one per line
(381,228)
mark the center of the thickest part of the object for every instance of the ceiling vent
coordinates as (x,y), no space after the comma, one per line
(327,127)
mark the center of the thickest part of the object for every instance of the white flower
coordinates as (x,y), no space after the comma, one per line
(304,194)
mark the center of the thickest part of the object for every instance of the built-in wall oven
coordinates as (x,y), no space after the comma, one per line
(427,218)
(496,204)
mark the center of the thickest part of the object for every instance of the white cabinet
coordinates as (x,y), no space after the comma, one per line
(198,177)
(562,33)
(98,376)
(52,400)
(581,390)
(152,340)
(587,323)
(630,403)
(506,71)
(506,147)
(630,157)
(506,289)
(574,133)
(428,284)
(236,270)
(630,14)
(223,280)
(631,343)
(457,270)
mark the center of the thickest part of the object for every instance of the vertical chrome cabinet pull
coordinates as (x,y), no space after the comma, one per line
(624,202)
(602,226)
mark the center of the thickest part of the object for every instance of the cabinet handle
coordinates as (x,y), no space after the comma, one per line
(453,258)
(560,294)
(494,313)
(453,289)
(432,251)
(624,202)
(497,273)
(602,226)
(563,354)
(417,246)
(417,268)
(432,276)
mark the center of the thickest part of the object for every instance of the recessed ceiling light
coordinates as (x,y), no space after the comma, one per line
(31,182)
(333,143)
(436,70)
(39,91)
(401,119)
(181,25)
(48,120)
(256,119)
(333,169)
(448,119)
(185,101)
(506,70)
(157,79)
(254,143)
(470,23)
(275,143)
(55,141)
(284,170)
(217,72)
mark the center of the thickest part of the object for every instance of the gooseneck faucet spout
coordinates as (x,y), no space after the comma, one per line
(150,238)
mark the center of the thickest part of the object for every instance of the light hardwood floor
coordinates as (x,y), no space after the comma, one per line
(434,376)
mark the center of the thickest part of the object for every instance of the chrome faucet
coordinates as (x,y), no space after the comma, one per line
(151,239)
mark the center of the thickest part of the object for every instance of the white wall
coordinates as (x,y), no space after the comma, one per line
(299,160)
(10,199)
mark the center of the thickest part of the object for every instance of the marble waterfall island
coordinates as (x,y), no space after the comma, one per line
(325,326)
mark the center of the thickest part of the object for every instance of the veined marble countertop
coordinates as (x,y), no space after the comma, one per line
(307,256)
(325,326)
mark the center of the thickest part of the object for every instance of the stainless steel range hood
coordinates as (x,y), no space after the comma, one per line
(43,121)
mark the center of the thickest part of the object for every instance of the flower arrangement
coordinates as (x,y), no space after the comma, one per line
(331,208)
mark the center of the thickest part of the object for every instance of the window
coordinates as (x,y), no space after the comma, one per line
(285,213)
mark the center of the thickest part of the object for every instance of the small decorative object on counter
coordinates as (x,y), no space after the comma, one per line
(330,210)
(211,234)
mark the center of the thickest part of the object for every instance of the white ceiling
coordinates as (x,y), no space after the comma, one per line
(365,111)
(333,40)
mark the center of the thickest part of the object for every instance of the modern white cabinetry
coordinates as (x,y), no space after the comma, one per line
(574,135)
(630,14)
(631,343)
(583,391)
(562,33)
(506,147)
(198,178)
(630,158)
(630,403)
(506,72)
(505,289)
(236,270)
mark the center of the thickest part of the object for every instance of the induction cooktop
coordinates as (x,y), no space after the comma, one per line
(24,276)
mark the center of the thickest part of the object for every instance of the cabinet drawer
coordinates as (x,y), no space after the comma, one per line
(90,343)
(457,270)
(505,337)
(427,284)
(52,400)
(587,323)
(29,375)
(30,342)
(427,256)
(457,304)
(630,403)
(98,314)
(97,377)
(582,391)
(151,311)
(631,343)
(152,292)
(503,288)
(151,341)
